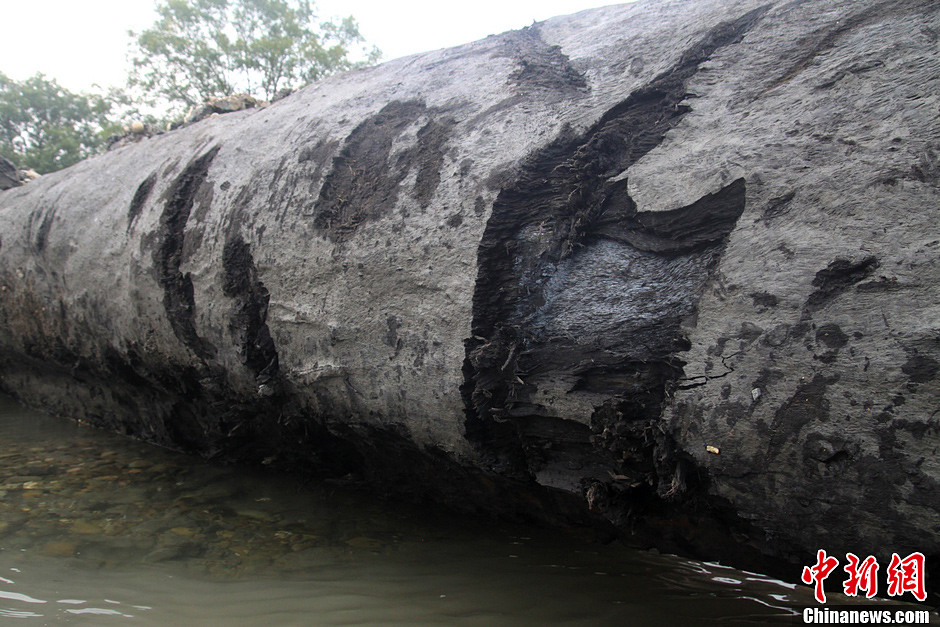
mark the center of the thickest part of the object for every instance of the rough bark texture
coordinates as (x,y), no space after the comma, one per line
(675,263)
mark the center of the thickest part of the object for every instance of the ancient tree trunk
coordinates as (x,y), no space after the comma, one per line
(676,259)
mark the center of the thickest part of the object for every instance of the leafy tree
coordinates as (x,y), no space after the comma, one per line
(45,127)
(198,49)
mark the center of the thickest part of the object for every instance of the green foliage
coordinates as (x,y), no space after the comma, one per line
(196,50)
(199,49)
(46,127)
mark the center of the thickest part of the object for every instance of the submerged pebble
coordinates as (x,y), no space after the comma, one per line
(101,500)
(114,506)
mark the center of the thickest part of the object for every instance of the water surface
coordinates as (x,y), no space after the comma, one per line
(96,529)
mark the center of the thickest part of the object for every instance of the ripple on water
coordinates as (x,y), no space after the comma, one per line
(97,529)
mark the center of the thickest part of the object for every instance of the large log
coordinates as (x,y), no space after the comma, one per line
(677,259)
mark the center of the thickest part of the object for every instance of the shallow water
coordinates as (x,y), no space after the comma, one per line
(96,529)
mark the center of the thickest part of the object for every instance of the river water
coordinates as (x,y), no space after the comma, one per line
(96,529)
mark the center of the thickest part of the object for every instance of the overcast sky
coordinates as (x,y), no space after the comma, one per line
(84,42)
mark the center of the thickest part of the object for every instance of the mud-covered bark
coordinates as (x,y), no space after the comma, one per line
(140,197)
(580,296)
(364,181)
(178,299)
(249,322)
